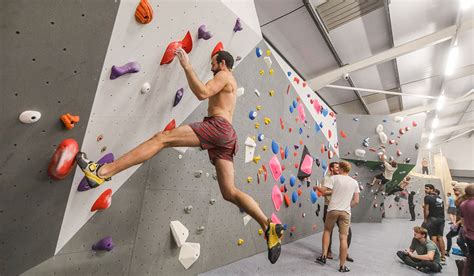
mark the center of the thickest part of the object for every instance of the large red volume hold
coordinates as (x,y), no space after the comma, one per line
(170,125)
(103,202)
(63,159)
(186,44)
(219,47)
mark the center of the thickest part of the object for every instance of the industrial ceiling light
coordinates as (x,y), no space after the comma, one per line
(428,146)
(452,57)
(435,122)
(441,101)
(431,136)
(465,4)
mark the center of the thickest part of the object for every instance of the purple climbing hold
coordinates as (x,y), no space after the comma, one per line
(238,25)
(203,34)
(178,96)
(131,67)
(83,185)
(104,244)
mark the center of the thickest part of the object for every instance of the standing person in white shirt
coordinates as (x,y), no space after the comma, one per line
(387,174)
(345,194)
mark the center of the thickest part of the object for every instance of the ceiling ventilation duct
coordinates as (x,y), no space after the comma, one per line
(335,13)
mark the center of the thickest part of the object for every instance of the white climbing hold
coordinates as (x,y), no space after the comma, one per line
(180,156)
(188,209)
(379,128)
(180,232)
(189,253)
(257,93)
(268,61)
(240,91)
(207,174)
(383,137)
(200,229)
(29,116)
(247,218)
(360,152)
(198,174)
(398,119)
(250,146)
(145,88)
(212,201)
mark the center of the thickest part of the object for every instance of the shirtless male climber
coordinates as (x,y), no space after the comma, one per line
(214,134)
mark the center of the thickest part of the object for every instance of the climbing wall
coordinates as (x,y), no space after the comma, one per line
(163,189)
(48,65)
(362,138)
(396,206)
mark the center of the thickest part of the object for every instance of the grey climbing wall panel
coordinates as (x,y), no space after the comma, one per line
(396,206)
(158,192)
(51,55)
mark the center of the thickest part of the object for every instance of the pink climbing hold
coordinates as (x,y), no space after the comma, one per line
(275,167)
(414,124)
(275,219)
(103,201)
(301,112)
(277,198)
(307,164)
(317,106)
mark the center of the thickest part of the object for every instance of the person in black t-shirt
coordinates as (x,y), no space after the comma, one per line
(433,212)
(411,205)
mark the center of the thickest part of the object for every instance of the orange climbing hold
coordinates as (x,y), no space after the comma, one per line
(144,12)
(69,120)
(63,159)
(301,142)
(219,47)
(287,200)
(299,192)
(103,202)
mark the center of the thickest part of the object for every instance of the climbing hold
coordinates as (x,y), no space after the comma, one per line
(131,67)
(275,167)
(258,107)
(325,112)
(271,72)
(277,197)
(301,112)
(399,153)
(178,96)
(180,232)
(69,120)
(291,109)
(84,185)
(407,160)
(189,253)
(249,179)
(63,159)
(275,147)
(240,91)
(296,79)
(268,52)
(258,52)
(261,72)
(267,120)
(145,88)
(292,180)
(237,26)
(286,152)
(252,115)
(282,179)
(103,201)
(257,93)
(264,148)
(391,141)
(330,154)
(343,134)
(268,61)
(186,44)
(240,242)
(329,133)
(324,165)
(250,146)
(171,125)
(104,244)
(271,93)
(257,125)
(383,137)
(294,197)
(144,12)
(313,196)
(260,137)
(260,232)
(246,219)
(414,124)
(417,146)
(212,201)
(200,229)
(198,174)
(398,119)
(29,116)
(318,163)
(365,144)
(286,199)
(379,128)
(316,127)
(401,131)
(188,209)
(219,47)
(238,58)
(203,33)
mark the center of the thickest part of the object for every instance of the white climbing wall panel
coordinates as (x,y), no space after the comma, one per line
(124,116)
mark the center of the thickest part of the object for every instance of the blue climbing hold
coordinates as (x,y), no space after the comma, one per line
(282,179)
(292,180)
(325,112)
(288,73)
(324,166)
(295,103)
(260,137)
(301,130)
(252,115)
(294,196)
(317,128)
(314,196)
(286,152)
(291,109)
(285,226)
(275,147)
(321,125)
(258,52)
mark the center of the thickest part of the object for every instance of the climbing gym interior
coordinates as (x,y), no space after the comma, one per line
(308,83)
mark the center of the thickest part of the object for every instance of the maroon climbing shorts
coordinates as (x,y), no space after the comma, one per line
(218,137)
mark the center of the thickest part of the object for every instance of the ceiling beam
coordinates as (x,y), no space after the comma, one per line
(468,97)
(381,91)
(425,41)
(448,130)
(322,29)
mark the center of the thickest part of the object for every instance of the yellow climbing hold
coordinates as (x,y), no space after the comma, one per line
(260,171)
(267,120)
(264,148)
(257,125)
(254,138)
(262,72)
(260,232)
(258,107)
(269,52)
(240,242)
(256,159)
(271,93)
(271,72)
(249,179)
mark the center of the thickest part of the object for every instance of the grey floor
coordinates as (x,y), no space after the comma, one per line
(373,247)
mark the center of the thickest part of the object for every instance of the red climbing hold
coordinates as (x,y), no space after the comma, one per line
(103,202)
(414,124)
(304,84)
(265,172)
(329,133)
(287,200)
(297,165)
(297,80)
(330,154)
(299,192)
(282,188)
(343,134)
(63,159)
(288,89)
(144,12)
(219,47)
(332,114)
(170,125)
(322,149)
(186,44)
(282,167)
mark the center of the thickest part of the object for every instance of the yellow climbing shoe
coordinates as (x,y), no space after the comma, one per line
(273,235)
(90,170)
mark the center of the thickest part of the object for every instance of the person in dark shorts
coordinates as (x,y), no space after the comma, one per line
(411,205)
(427,257)
(433,211)
(451,208)
(215,134)
(387,175)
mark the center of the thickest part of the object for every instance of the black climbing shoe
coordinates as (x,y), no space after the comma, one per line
(273,235)
(424,269)
(349,259)
(343,269)
(321,260)
(90,170)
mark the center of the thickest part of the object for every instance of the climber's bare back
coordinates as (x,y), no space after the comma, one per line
(223,103)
